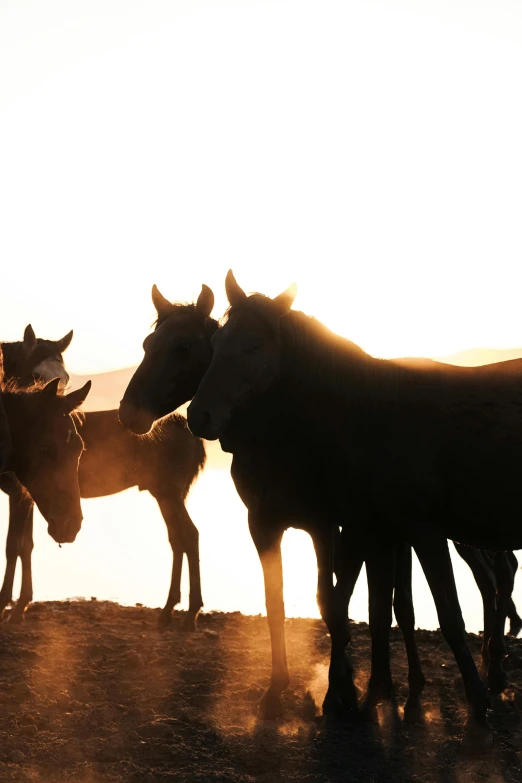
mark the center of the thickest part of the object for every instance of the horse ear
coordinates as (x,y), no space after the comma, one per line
(73,400)
(235,293)
(64,343)
(29,339)
(50,390)
(162,305)
(205,302)
(285,300)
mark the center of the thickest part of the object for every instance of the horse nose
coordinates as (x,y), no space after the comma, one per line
(200,423)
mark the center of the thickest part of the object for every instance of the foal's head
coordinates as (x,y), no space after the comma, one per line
(36,359)
(46,449)
(246,358)
(177,353)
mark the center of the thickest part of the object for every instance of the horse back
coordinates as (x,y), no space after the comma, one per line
(116,459)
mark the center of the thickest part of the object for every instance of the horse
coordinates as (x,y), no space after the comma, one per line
(176,355)
(45,452)
(165,463)
(181,347)
(430,455)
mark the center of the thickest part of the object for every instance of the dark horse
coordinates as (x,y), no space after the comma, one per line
(430,455)
(165,463)
(45,451)
(176,355)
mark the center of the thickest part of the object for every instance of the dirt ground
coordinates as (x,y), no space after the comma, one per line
(93,691)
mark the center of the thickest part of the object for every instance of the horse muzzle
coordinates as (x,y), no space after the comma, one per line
(137,420)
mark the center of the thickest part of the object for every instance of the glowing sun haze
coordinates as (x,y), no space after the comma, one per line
(370,151)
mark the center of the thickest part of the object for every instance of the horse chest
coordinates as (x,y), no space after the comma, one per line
(278,489)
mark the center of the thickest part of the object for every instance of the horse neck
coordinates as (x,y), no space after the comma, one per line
(316,363)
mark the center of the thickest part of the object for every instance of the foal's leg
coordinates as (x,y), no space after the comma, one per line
(20,505)
(515,621)
(481,565)
(432,550)
(497,678)
(334,552)
(405,616)
(267,540)
(183,538)
(26,591)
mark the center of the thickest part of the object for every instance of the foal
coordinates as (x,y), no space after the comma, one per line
(165,463)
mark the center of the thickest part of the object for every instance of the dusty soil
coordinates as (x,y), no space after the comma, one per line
(93,691)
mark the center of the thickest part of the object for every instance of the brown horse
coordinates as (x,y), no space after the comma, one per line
(45,452)
(430,455)
(168,377)
(165,463)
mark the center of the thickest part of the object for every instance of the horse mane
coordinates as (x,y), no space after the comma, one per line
(309,344)
(186,308)
(162,432)
(330,367)
(14,388)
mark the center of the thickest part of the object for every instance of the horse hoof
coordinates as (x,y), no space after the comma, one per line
(515,628)
(15,618)
(413,712)
(498,683)
(369,712)
(164,618)
(271,707)
(478,738)
(189,624)
(338,708)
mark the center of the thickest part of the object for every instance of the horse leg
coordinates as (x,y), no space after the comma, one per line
(433,552)
(26,591)
(482,568)
(191,547)
(515,621)
(333,553)
(19,503)
(183,538)
(405,616)
(268,545)
(497,678)
(380,571)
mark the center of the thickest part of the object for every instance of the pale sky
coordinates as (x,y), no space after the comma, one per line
(370,151)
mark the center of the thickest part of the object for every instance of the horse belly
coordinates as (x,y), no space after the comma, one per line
(98,480)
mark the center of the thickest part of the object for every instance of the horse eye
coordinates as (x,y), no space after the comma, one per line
(184,347)
(45,450)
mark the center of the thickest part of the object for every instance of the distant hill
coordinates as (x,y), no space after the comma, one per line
(107,388)
(475,356)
